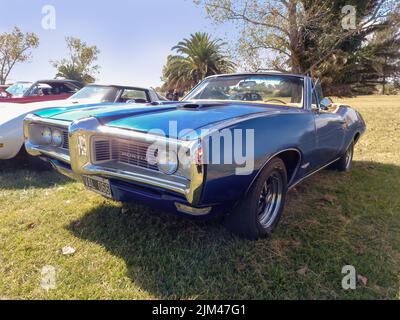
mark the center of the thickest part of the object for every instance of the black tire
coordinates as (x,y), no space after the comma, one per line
(345,163)
(246,220)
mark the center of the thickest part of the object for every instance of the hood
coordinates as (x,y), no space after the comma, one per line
(104,111)
(188,116)
(146,117)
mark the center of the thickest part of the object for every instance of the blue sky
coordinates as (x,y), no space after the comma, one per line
(134,36)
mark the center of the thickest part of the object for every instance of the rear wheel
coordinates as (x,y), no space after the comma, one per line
(345,163)
(259,213)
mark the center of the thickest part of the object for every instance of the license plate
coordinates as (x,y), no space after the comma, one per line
(98,185)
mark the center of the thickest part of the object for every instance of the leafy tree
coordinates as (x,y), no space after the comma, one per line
(15,47)
(197,57)
(356,64)
(386,44)
(80,65)
(306,36)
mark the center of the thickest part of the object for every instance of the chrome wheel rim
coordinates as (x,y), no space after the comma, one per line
(349,157)
(270,200)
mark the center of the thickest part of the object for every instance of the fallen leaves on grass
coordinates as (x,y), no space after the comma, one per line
(124,210)
(362,280)
(329,199)
(303,271)
(67,251)
(31,225)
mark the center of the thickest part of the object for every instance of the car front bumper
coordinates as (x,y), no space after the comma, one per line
(125,190)
(155,189)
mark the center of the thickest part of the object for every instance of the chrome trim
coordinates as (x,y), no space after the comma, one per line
(38,151)
(311,174)
(191,210)
(273,156)
(178,187)
(82,164)
(308,93)
(306,96)
(45,121)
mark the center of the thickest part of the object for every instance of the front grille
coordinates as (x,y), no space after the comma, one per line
(103,150)
(65,144)
(131,152)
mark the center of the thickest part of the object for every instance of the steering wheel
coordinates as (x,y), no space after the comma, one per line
(247,96)
(280,101)
(253,96)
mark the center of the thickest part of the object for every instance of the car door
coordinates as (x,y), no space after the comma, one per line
(330,129)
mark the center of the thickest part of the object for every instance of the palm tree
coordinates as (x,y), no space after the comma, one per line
(197,58)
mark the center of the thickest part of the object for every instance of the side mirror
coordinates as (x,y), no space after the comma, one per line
(325,103)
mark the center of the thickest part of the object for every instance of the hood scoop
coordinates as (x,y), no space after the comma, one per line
(197,106)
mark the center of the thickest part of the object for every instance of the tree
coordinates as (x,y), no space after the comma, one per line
(15,47)
(356,64)
(386,46)
(303,36)
(197,57)
(80,65)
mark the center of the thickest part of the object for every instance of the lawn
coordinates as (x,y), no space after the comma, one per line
(331,220)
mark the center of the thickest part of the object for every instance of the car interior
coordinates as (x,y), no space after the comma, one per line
(286,92)
(134,96)
(52,88)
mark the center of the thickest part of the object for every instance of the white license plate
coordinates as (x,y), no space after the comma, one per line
(98,185)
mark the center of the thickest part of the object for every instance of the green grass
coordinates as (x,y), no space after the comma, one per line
(331,220)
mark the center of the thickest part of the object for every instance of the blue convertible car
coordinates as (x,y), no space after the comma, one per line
(233,147)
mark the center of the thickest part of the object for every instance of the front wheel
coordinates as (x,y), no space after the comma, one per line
(345,163)
(258,215)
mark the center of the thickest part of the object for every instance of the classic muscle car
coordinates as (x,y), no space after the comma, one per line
(188,157)
(43,90)
(92,96)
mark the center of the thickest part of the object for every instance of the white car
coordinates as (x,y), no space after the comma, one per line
(12,114)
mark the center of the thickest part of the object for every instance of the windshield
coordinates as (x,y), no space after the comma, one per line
(263,89)
(19,88)
(99,93)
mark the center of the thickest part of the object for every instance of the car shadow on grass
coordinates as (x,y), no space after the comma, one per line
(21,173)
(171,257)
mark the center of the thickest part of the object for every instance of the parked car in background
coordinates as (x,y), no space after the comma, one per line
(3,91)
(288,130)
(18,89)
(43,90)
(93,97)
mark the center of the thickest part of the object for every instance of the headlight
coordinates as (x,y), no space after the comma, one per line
(56,138)
(167,162)
(46,135)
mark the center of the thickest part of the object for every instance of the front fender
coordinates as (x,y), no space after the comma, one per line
(11,138)
(272,135)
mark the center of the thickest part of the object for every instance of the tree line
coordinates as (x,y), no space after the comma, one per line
(360,55)
(17,46)
(300,36)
